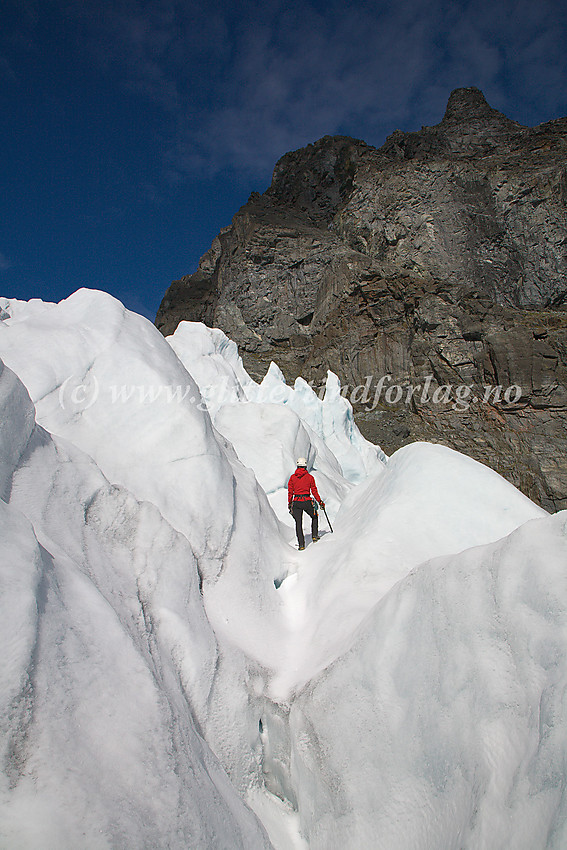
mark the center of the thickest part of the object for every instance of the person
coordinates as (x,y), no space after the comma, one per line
(300,489)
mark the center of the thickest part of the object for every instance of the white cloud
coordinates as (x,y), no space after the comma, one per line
(300,73)
(292,83)
(239,85)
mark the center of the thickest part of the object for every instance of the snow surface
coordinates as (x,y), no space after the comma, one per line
(214,362)
(456,712)
(176,674)
(108,659)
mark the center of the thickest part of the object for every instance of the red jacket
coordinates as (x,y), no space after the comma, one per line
(301,485)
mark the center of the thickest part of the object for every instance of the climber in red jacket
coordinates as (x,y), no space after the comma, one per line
(300,489)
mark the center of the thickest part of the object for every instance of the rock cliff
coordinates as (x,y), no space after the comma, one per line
(430,274)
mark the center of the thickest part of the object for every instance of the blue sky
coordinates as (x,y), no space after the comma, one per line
(131,131)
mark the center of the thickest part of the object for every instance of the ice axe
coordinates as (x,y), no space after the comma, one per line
(327,518)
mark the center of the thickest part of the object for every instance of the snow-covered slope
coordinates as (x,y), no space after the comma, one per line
(214,362)
(170,657)
(443,725)
(107,662)
(430,500)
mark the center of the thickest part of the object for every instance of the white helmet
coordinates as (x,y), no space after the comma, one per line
(301,461)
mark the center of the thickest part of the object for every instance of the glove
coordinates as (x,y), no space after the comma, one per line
(322,505)
(290,509)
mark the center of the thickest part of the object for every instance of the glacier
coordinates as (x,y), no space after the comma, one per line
(176,674)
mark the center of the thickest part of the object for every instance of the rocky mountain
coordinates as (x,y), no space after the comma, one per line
(430,274)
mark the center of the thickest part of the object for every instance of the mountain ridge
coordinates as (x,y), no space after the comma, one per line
(442,253)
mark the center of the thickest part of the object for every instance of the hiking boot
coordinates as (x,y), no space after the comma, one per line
(315,539)
(301,548)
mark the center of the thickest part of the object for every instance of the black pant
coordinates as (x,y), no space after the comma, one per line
(297,509)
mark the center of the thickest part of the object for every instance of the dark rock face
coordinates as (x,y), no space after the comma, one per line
(436,261)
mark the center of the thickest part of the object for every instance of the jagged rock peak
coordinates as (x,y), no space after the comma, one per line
(439,254)
(466,105)
(465,102)
(469,127)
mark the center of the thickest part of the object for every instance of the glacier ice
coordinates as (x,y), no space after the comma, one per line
(454,732)
(173,665)
(108,662)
